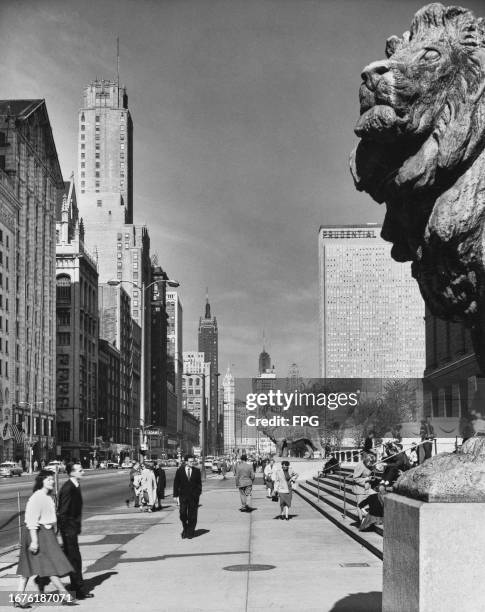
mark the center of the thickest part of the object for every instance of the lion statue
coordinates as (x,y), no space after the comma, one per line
(421,151)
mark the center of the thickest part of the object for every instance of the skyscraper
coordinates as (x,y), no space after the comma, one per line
(105,156)
(228,388)
(371,311)
(105,197)
(174,351)
(208,344)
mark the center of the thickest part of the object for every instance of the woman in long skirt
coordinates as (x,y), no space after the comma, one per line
(40,553)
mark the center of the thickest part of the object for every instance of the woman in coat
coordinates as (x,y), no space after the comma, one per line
(149,489)
(161,480)
(284,479)
(40,553)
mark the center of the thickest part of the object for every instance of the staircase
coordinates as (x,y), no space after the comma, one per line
(332,496)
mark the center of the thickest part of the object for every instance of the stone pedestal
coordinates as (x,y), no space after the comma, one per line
(433,556)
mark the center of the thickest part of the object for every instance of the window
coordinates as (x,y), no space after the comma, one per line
(83,164)
(83,174)
(97,174)
(63,288)
(97,164)
(83,146)
(98,117)
(82,136)
(99,202)
(97,155)
(83,127)
(83,156)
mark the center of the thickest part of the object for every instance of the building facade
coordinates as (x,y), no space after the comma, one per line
(175,362)
(229,397)
(77,332)
(31,180)
(371,311)
(208,344)
(118,328)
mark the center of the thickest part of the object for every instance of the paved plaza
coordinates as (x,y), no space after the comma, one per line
(138,561)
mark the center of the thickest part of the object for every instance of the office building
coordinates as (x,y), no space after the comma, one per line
(77,332)
(175,351)
(208,344)
(371,311)
(228,390)
(30,179)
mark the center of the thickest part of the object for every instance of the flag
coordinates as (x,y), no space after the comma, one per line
(18,434)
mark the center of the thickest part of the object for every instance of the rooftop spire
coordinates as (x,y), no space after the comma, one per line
(207,305)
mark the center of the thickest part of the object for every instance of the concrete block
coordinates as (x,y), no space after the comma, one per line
(433,556)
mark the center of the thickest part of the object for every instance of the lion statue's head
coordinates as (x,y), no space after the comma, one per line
(422,138)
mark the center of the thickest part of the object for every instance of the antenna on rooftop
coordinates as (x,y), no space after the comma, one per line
(118,68)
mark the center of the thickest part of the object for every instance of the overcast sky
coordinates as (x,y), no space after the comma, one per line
(243,115)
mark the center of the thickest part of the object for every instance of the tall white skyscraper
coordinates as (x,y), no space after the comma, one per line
(228,388)
(371,311)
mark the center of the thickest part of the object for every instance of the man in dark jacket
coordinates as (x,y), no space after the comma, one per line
(244,474)
(69,513)
(187,488)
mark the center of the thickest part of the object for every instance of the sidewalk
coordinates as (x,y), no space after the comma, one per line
(138,561)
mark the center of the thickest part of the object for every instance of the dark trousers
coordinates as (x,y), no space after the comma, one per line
(70,545)
(188,514)
(428,449)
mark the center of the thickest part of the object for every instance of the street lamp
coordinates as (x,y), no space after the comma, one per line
(31,405)
(95,421)
(143,289)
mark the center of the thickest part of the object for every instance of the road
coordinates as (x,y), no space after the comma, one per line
(103,491)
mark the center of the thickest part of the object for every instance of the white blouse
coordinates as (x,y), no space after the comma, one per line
(40,510)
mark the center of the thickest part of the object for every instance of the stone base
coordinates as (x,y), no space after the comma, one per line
(433,556)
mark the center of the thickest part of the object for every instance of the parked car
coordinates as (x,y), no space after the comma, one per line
(9,468)
(172,463)
(215,467)
(126,465)
(112,465)
(102,465)
(56,466)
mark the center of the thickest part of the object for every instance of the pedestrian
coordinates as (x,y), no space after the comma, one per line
(244,474)
(148,488)
(284,480)
(40,554)
(361,481)
(268,477)
(69,514)
(161,480)
(222,467)
(132,494)
(427,437)
(187,488)
(36,465)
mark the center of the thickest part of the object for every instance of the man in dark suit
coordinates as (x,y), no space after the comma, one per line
(187,487)
(69,511)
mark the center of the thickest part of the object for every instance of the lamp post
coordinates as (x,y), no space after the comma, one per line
(31,406)
(143,289)
(95,421)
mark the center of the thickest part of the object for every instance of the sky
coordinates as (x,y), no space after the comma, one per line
(243,115)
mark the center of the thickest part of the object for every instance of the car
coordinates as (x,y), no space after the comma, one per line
(56,466)
(172,463)
(126,465)
(149,463)
(208,462)
(9,468)
(102,465)
(112,465)
(215,467)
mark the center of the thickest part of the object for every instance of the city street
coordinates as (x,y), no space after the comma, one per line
(102,490)
(237,561)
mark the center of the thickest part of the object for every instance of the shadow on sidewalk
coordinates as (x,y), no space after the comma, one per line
(360,602)
(200,532)
(91,583)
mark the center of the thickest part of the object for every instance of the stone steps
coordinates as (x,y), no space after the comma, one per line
(326,494)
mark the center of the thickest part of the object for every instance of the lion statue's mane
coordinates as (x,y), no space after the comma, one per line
(422,131)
